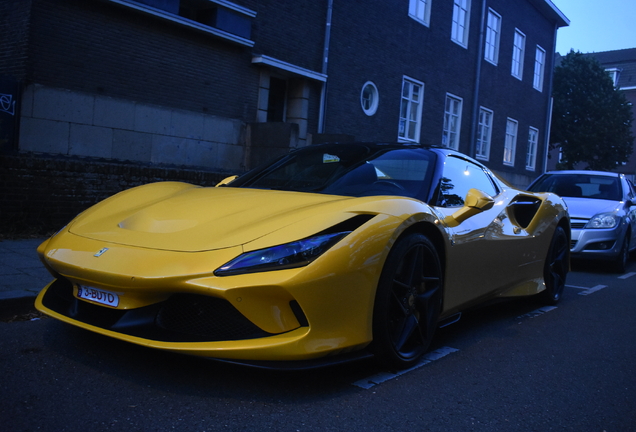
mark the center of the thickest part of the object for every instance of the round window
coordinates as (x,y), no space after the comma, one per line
(369,98)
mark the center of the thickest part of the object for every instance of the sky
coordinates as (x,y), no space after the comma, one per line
(597,25)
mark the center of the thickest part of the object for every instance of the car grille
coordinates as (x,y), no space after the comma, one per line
(181,318)
(573,244)
(211,318)
(577,225)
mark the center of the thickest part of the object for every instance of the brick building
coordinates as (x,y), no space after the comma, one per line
(216,86)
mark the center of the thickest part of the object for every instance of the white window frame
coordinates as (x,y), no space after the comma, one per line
(510,143)
(369,98)
(461,22)
(493,32)
(531,154)
(518,53)
(410,110)
(614,73)
(484,134)
(452,121)
(420,10)
(539,68)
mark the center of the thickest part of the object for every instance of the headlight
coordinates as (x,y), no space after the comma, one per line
(603,220)
(290,255)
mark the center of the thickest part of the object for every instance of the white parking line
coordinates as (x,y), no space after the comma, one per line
(537,312)
(627,275)
(577,287)
(593,289)
(586,290)
(367,383)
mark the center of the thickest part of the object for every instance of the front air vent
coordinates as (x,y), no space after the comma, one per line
(206,318)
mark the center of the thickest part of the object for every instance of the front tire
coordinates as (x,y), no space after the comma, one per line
(620,265)
(408,302)
(557,266)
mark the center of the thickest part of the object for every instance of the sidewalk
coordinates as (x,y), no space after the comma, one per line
(22,275)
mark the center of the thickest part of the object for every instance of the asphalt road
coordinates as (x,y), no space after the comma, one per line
(512,366)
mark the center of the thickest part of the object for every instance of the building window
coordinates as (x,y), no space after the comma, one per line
(518,49)
(411,110)
(510,145)
(220,18)
(452,122)
(614,73)
(531,155)
(461,16)
(539,67)
(369,98)
(420,10)
(493,31)
(484,133)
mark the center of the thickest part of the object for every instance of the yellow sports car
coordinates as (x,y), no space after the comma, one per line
(330,253)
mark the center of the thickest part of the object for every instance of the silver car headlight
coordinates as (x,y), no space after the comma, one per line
(603,220)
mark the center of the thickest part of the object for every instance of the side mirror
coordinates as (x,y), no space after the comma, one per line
(475,202)
(226,180)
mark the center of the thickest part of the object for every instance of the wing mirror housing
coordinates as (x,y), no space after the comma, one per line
(475,202)
(226,180)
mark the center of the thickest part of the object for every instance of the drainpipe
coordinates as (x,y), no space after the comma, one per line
(325,64)
(475,114)
(548,123)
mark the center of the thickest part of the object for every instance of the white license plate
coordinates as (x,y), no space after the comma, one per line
(97,295)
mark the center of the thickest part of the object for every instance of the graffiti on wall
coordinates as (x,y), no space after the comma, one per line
(9,113)
(7,104)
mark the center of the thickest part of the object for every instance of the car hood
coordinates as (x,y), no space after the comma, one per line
(585,208)
(182,217)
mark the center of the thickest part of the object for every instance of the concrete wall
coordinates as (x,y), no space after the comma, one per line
(73,123)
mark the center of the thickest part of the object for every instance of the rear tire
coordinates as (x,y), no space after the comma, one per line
(408,302)
(557,265)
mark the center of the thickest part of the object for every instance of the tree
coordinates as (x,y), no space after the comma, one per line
(591,120)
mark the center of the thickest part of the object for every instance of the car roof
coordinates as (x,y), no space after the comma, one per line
(398,145)
(585,172)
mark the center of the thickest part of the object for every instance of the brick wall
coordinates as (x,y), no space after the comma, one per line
(40,194)
(102,48)
(14,28)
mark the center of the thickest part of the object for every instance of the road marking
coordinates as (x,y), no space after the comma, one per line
(594,289)
(367,383)
(577,287)
(537,312)
(586,290)
(627,275)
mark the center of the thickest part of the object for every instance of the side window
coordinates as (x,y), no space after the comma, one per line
(458,178)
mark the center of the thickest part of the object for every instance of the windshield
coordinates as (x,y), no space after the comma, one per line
(580,186)
(347,169)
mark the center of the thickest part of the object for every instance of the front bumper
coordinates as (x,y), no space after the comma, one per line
(601,244)
(167,301)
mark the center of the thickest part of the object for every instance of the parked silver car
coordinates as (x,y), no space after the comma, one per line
(602,207)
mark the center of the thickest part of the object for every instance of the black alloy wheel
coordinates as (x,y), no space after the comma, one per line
(408,302)
(557,265)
